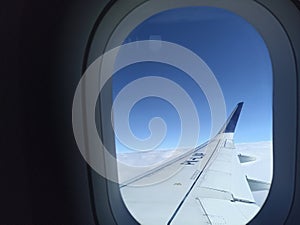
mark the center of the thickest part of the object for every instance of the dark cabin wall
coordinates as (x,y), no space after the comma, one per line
(43,176)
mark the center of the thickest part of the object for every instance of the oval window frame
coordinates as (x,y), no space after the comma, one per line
(283,60)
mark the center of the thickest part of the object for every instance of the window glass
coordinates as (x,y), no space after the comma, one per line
(164,110)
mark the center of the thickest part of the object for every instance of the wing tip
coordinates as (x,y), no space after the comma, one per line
(240,104)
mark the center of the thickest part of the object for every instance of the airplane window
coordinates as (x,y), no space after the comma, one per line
(181,108)
(192,116)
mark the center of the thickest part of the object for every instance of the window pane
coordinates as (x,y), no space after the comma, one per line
(165,173)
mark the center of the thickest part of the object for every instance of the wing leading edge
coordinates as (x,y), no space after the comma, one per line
(207,186)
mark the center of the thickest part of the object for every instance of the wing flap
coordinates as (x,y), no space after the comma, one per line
(233,213)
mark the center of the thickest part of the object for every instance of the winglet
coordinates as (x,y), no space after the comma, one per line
(231,122)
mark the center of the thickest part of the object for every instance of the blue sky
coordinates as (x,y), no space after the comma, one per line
(233,50)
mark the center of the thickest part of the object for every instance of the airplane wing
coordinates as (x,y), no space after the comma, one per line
(205,185)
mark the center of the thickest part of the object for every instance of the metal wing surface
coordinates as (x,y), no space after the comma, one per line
(205,185)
